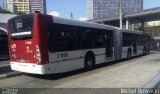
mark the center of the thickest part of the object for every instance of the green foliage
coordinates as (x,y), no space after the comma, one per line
(153,30)
(19,13)
(4,11)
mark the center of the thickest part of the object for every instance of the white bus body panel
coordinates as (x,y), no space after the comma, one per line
(28,68)
(74,61)
(43,69)
(125,51)
(140,50)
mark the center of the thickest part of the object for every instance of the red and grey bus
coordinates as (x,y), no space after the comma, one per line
(43,44)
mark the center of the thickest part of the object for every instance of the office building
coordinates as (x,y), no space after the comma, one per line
(21,6)
(38,5)
(8,5)
(98,9)
(24,6)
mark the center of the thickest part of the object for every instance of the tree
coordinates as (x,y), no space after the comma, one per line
(4,11)
(20,13)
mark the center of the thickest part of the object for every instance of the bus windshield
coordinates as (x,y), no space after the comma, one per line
(21,28)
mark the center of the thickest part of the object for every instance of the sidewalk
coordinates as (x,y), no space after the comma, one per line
(4,67)
(5,70)
(136,73)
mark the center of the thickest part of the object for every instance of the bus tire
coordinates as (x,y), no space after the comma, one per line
(89,61)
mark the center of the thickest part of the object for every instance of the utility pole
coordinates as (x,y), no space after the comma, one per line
(71,15)
(120,14)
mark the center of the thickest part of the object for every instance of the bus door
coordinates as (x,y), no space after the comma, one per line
(108,45)
(148,44)
(135,47)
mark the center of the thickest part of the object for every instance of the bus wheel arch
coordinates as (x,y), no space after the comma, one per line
(89,60)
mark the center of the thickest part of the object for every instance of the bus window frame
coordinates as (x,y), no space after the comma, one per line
(21,37)
(82,35)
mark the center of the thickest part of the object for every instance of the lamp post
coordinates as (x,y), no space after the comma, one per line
(71,15)
(120,14)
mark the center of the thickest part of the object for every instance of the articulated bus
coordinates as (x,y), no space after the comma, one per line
(134,43)
(43,44)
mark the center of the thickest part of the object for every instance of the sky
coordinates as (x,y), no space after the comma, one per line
(78,8)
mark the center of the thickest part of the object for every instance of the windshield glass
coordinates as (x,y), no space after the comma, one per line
(22,27)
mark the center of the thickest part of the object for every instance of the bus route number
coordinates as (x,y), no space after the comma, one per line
(62,55)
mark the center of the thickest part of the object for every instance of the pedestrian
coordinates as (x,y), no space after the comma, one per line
(157,47)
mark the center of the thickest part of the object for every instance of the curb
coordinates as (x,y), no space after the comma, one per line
(153,83)
(4,65)
(11,74)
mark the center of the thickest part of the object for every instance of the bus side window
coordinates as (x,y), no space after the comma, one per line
(99,38)
(124,39)
(63,37)
(127,40)
(56,38)
(87,39)
(73,38)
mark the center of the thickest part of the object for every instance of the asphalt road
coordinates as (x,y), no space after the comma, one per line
(133,73)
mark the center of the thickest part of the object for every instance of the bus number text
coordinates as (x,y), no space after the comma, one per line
(62,55)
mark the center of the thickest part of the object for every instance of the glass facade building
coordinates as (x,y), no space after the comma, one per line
(98,9)
(38,5)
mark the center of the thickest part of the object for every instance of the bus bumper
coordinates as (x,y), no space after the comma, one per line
(31,68)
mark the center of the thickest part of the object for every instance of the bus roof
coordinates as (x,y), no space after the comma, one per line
(81,23)
(61,20)
(131,31)
(19,16)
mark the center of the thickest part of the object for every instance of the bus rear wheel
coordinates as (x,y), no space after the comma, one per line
(89,62)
